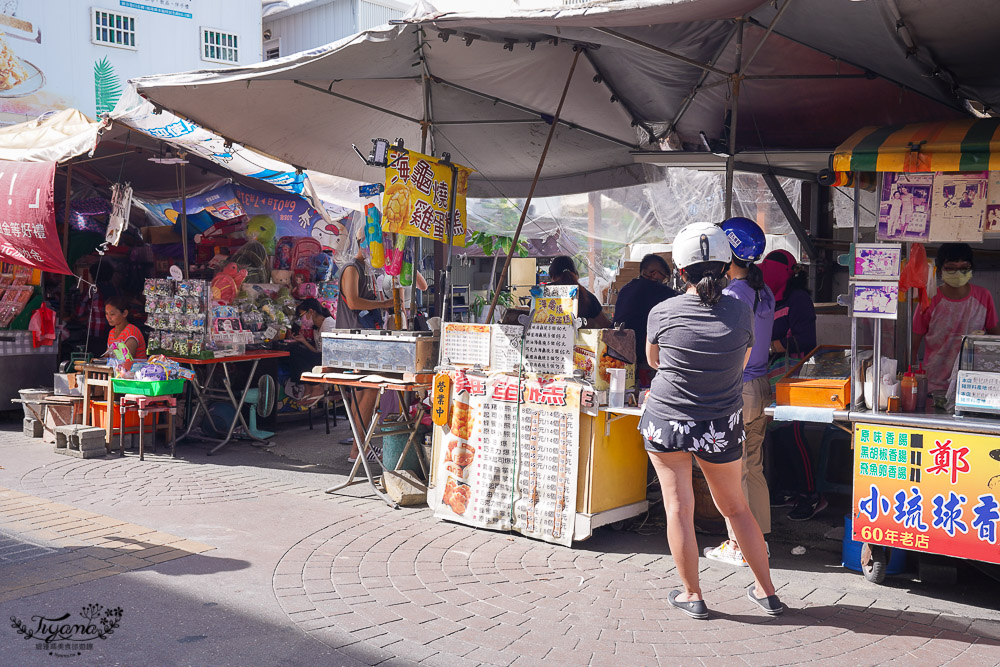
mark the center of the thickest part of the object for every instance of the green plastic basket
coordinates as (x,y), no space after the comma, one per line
(148,387)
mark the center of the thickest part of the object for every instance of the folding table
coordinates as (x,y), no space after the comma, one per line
(349,384)
(204,391)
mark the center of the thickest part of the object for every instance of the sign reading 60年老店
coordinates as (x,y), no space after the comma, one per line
(933,491)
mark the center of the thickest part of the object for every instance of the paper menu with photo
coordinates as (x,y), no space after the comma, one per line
(904,207)
(991,223)
(878,300)
(877,261)
(958,206)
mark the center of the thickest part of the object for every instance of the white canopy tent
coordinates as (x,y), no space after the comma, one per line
(655,74)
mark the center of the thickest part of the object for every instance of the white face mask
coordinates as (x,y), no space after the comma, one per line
(306,321)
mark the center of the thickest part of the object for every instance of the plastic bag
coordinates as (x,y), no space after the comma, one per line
(915,274)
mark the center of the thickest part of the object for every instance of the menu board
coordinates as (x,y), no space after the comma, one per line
(511,455)
(465,344)
(930,491)
(547,349)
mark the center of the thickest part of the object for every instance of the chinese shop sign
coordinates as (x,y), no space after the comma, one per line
(933,491)
(417,194)
(511,455)
(28,217)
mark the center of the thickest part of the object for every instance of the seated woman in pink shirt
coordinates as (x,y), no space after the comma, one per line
(959,308)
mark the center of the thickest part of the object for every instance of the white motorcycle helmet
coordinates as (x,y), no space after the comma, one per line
(701,242)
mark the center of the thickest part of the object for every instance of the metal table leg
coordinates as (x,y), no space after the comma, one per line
(364,444)
(413,425)
(238,405)
(192,418)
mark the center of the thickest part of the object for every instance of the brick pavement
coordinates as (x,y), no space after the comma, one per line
(46,545)
(370,585)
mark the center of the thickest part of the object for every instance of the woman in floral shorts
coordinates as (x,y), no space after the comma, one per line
(699,342)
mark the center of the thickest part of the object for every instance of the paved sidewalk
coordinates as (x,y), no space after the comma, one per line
(242,559)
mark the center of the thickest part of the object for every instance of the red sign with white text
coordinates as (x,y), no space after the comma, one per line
(28,217)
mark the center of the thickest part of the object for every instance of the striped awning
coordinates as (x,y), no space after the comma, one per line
(956,145)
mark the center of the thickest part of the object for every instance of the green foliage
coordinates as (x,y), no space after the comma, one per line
(495,244)
(481,302)
(107,86)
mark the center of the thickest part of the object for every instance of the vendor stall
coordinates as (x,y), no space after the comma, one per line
(924,472)
(523,437)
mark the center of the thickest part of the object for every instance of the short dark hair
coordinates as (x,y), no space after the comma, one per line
(654,259)
(119,303)
(954,252)
(561,265)
(313,305)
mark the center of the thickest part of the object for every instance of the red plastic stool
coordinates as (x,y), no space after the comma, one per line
(145,406)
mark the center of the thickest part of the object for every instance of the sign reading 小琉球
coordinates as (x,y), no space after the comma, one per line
(932,491)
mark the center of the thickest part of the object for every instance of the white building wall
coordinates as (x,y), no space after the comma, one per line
(320,22)
(316,24)
(168,39)
(372,14)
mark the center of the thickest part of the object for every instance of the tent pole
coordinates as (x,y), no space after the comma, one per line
(593,221)
(734,112)
(184,218)
(65,238)
(857,382)
(531,190)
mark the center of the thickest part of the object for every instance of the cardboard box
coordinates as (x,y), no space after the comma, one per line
(68,384)
(160,234)
(597,350)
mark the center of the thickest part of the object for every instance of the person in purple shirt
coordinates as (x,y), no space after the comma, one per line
(746,283)
(793,336)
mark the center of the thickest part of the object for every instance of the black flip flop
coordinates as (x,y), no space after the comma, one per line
(771,605)
(695,609)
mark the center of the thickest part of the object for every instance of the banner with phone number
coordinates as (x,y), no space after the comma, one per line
(931,491)
(417,193)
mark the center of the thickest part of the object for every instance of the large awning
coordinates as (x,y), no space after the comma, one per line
(957,145)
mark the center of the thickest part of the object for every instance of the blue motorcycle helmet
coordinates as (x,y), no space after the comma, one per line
(746,239)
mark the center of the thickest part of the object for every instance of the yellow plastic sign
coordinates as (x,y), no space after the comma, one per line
(417,194)
(440,399)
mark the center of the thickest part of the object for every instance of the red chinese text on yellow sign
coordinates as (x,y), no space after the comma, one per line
(933,491)
(417,193)
(440,399)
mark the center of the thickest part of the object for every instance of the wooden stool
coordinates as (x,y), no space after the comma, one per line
(147,405)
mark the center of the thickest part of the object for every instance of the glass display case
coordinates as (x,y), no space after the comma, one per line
(978,381)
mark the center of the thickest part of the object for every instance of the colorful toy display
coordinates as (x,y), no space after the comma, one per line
(177,313)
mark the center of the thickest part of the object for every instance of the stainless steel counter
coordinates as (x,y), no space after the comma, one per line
(939,421)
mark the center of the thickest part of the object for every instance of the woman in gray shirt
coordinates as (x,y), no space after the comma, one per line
(699,343)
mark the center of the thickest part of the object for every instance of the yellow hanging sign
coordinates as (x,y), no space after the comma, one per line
(441,399)
(417,194)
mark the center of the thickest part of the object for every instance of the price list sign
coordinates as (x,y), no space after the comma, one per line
(512,455)
(465,344)
(548,349)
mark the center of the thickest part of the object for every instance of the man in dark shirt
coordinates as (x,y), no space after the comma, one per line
(636,300)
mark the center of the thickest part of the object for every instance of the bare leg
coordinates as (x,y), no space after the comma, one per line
(724,481)
(366,402)
(673,469)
